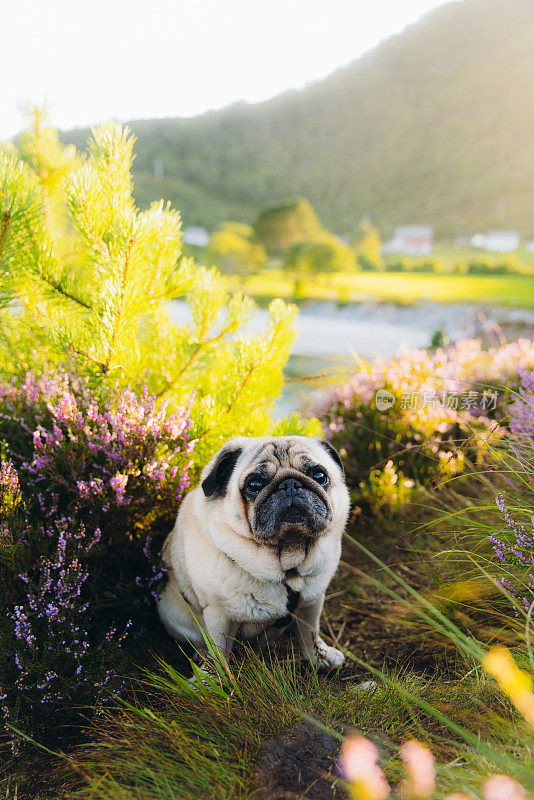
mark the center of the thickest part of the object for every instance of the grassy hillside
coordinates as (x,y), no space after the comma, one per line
(435,125)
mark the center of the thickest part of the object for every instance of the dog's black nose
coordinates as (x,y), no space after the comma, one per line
(289,487)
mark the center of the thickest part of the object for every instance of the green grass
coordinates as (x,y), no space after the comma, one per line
(502,290)
(511,290)
(185,742)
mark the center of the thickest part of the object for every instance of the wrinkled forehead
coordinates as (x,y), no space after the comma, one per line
(276,454)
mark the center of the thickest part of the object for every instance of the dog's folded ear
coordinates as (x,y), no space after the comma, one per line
(217,479)
(332,452)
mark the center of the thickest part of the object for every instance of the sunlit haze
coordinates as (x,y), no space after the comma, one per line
(112,58)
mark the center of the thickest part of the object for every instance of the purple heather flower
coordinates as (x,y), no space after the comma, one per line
(515,546)
(9,480)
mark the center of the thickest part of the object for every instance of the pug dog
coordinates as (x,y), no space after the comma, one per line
(255,545)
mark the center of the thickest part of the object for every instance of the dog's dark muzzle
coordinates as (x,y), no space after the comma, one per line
(292,507)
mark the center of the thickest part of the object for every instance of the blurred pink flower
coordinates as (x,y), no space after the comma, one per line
(359,767)
(420,772)
(502,787)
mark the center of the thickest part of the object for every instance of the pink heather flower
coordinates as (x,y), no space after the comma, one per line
(92,411)
(502,787)
(9,480)
(155,471)
(359,767)
(175,427)
(83,489)
(420,772)
(92,487)
(37,439)
(118,484)
(66,409)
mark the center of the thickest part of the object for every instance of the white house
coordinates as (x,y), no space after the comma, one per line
(196,236)
(497,241)
(412,240)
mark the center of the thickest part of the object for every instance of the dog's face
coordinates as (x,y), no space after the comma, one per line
(282,491)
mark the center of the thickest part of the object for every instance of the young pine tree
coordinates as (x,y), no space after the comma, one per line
(87,283)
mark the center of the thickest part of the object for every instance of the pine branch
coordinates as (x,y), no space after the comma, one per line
(120,312)
(279,322)
(155,266)
(13,351)
(78,352)
(202,345)
(40,273)
(6,219)
(41,173)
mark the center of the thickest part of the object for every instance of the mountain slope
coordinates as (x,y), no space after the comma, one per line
(435,125)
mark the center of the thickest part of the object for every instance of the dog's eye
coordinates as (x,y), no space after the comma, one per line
(254,486)
(320,476)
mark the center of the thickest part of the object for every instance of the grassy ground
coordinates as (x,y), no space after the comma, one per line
(271,727)
(504,290)
(235,743)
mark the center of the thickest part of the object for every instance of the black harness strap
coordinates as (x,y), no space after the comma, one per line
(293,598)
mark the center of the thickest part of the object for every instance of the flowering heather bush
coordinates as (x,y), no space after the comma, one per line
(514,547)
(514,543)
(444,409)
(86,456)
(87,484)
(522,413)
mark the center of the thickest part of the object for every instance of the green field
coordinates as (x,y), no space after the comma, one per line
(503,290)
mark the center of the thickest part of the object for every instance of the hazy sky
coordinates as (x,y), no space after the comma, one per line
(111,58)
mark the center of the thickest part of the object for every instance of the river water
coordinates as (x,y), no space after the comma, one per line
(329,337)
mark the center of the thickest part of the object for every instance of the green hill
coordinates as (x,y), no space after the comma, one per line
(435,125)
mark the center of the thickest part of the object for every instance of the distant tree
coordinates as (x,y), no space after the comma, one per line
(369,247)
(324,255)
(281,226)
(234,250)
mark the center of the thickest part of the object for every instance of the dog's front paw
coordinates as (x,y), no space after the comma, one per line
(328,657)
